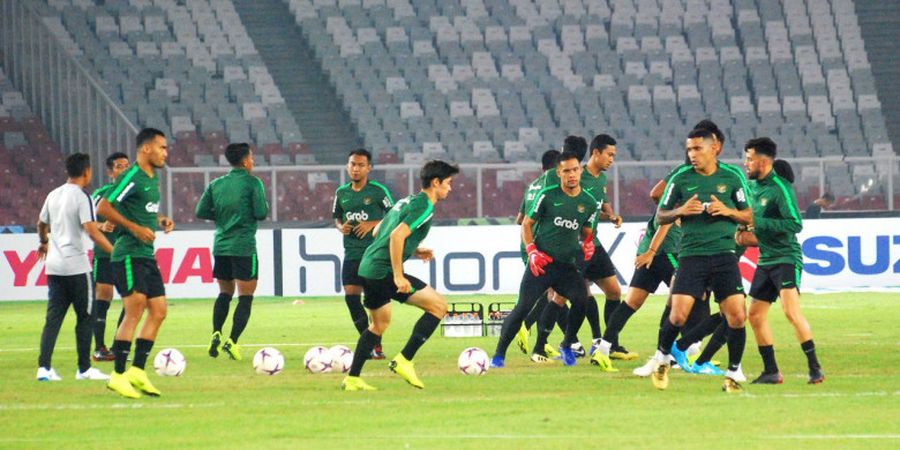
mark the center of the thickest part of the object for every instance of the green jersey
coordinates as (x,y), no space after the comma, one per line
(111,236)
(369,203)
(559,219)
(669,244)
(236,201)
(594,186)
(135,196)
(705,234)
(415,211)
(528,198)
(777,221)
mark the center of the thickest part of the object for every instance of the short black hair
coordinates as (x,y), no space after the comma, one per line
(576,145)
(235,153)
(436,169)
(567,155)
(76,164)
(707,124)
(361,152)
(701,133)
(146,135)
(111,159)
(762,146)
(783,169)
(601,141)
(548,159)
(828,196)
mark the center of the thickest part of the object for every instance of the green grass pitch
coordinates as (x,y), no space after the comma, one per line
(219,403)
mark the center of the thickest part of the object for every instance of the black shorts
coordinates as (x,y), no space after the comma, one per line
(719,273)
(565,279)
(350,273)
(768,281)
(102,271)
(661,270)
(138,275)
(600,266)
(229,268)
(380,292)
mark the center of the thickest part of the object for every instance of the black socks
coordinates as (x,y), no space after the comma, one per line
(737,337)
(142,349)
(667,336)
(592,314)
(768,356)
(241,316)
(121,349)
(98,320)
(423,329)
(364,346)
(220,311)
(357,312)
(545,326)
(809,348)
(609,308)
(617,322)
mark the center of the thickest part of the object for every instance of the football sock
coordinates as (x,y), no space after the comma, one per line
(535,313)
(121,317)
(142,349)
(665,316)
(768,356)
(592,314)
(562,319)
(617,323)
(609,308)
(700,331)
(737,337)
(576,318)
(809,348)
(357,312)
(422,330)
(99,323)
(667,336)
(121,349)
(698,314)
(364,346)
(545,326)
(241,316)
(716,341)
(220,311)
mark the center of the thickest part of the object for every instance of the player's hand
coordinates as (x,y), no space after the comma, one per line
(745,239)
(616,220)
(537,259)
(423,253)
(363,228)
(166,224)
(692,207)
(42,251)
(716,207)
(644,259)
(346,228)
(143,234)
(107,227)
(403,285)
(588,248)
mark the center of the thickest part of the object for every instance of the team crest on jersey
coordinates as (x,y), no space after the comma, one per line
(721,188)
(763,201)
(580,208)
(604,189)
(367,201)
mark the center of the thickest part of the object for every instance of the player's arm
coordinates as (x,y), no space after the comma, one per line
(789,222)
(744,237)
(667,213)
(537,259)
(337,212)
(606,212)
(657,191)
(205,208)
(105,209)
(397,241)
(165,222)
(646,259)
(93,230)
(260,204)
(43,229)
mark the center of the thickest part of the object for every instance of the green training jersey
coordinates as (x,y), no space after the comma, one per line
(528,198)
(595,186)
(236,202)
(669,244)
(111,236)
(559,219)
(705,234)
(415,211)
(776,220)
(369,203)
(135,196)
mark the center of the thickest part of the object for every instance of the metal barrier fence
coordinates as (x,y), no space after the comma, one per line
(67,98)
(305,193)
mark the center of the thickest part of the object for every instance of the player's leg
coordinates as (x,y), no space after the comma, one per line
(378,295)
(57,305)
(530,290)
(157,307)
(550,316)
(634,299)
(353,291)
(567,283)
(434,306)
(222,271)
(244,270)
(103,291)
(790,302)
(757,314)
(735,315)
(704,364)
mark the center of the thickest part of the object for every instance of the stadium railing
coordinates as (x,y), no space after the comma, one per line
(41,61)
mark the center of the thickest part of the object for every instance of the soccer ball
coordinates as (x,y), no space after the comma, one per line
(169,363)
(341,358)
(473,361)
(268,361)
(317,360)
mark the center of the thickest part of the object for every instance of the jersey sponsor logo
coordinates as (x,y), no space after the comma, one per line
(829,255)
(152,207)
(721,188)
(566,223)
(361,216)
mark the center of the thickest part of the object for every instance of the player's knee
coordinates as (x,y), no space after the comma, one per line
(438,309)
(678,318)
(757,317)
(794,317)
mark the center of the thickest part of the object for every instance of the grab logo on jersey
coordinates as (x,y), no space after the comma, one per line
(361,216)
(152,207)
(565,223)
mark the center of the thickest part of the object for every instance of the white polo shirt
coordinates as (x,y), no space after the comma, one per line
(66,209)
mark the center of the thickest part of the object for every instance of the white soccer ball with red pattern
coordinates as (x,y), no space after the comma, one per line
(341,358)
(169,363)
(268,361)
(473,361)
(317,360)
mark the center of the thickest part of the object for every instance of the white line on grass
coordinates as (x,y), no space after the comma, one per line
(283,344)
(836,436)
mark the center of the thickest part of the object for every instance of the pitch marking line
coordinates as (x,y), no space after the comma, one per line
(284,344)
(836,436)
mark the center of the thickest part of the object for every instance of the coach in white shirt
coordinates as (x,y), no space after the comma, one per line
(67,215)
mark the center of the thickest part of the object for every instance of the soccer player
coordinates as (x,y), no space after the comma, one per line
(558,239)
(710,199)
(776,222)
(397,238)
(133,205)
(358,208)
(236,202)
(66,216)
(116,163)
